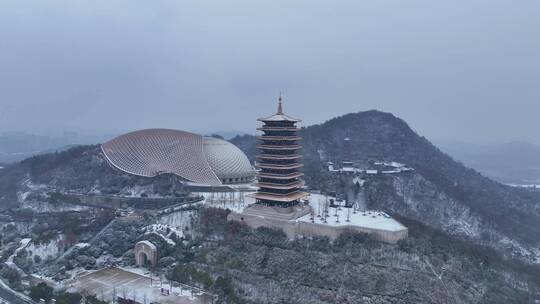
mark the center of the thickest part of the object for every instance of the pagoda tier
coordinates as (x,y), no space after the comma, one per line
(283,166)
(281,129)
(278,156)
(270,139)
(279,161)
(280,147)
(289,185)
(271,199)
(280,176)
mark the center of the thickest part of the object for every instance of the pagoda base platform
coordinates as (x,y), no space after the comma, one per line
(294,222)
(277,213)
(257,215)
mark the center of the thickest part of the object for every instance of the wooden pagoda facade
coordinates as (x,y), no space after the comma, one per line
(279,161)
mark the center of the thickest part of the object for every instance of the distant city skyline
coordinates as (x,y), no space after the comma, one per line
(466,71)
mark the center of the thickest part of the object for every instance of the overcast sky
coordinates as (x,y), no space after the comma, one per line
(454,70)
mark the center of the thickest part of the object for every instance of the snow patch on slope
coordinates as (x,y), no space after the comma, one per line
(47,251)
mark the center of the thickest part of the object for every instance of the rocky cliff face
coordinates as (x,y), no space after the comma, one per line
(441,192)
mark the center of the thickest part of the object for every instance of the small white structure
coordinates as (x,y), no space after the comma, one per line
(347,167)
(330,166)
(146,253)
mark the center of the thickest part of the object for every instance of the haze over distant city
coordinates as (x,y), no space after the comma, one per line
(466,71)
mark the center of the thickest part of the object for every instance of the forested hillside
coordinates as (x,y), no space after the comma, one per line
(442,193)
(82,169)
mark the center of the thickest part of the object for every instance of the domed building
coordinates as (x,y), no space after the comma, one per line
(196,159)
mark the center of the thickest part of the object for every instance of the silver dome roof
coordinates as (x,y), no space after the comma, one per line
(225,159)
(200,160)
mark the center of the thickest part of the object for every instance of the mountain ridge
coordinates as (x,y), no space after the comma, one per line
(509,163)
(442,192)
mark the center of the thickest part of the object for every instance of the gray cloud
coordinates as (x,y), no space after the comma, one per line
(463,70)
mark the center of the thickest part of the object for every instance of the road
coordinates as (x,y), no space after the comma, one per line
(9,297)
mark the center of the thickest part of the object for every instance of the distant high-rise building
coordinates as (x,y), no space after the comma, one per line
(279,161)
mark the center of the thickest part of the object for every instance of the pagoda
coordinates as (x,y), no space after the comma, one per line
(278,164)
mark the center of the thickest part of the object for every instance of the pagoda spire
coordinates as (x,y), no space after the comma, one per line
(280,106)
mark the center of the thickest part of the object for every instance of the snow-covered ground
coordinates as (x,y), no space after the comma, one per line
(138,191)
(22,228)
(22,245)
(524,185)
(391,168)
(180,219)
(342,216)
(33,196)
(368,218)
(359,181)
(179,222)
(176,289)
(42,207)
(390,164)
(137,284)
(532,254)
(161,232)
(234,201)
(47,251)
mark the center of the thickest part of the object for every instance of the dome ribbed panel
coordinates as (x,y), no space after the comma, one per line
(226,160)
(152,152)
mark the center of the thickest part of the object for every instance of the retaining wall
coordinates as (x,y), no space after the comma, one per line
(295,229)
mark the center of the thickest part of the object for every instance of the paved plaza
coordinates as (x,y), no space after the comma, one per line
(107,282)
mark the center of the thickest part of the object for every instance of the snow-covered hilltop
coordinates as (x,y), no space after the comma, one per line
(434,189)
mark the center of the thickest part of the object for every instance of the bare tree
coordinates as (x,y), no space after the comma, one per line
(124,293)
